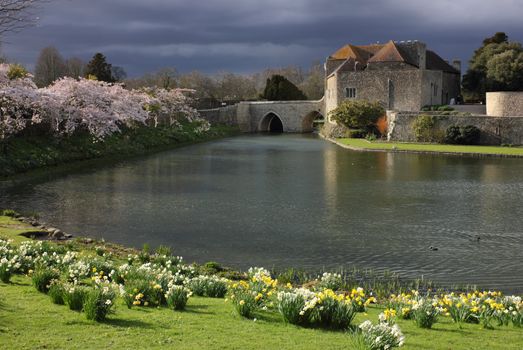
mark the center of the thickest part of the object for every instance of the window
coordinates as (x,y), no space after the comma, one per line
(350,92)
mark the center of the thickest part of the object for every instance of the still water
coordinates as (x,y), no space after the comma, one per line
(299,201)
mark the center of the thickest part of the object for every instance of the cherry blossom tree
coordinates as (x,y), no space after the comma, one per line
(99,108)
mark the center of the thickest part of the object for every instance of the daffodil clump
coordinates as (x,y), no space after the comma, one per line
(256,293)
(425,312)
(360,300)
(381,336)
(7,268)
(208,286)
(177,296)
(324,308)
(403,303)
(42,278)
(99,300)
(488,308)
(74,295)
(332,281)
(388,316)
(147,284)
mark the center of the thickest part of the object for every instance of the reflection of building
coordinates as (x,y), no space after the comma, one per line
(402,75)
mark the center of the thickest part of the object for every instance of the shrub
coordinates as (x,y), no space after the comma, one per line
(438,108)
(453,135)
(74,296)
(358,114)
(17,71)
(98,303)
(42,278)
(467,135)
(177,297)
(423,127)
(213,266)
(425,313)
(210,286)
(445,108)
(8,212)
(470,135)
(356,133)
(56,292)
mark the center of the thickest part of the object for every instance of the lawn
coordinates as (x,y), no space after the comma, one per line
(436,148)
(11,229)
(29,320)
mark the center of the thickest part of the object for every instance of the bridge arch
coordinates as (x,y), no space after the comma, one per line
(310,119)
(271,122)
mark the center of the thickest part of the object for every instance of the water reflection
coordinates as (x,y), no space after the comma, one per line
(292,200)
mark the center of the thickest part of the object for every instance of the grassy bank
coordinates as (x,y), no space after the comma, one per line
(362,144)
(24,153)
(28,320)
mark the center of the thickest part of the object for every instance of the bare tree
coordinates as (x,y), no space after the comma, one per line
(16,15)
(49,67)
(74,67)
(166,78)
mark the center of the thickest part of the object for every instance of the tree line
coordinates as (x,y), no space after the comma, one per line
(287,83)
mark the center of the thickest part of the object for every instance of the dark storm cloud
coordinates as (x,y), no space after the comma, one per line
(248,35)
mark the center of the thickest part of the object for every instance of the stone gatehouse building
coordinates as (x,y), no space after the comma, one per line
(404,76)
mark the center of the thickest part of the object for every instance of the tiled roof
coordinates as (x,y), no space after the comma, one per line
(435,62)
(358,53)
(390,52)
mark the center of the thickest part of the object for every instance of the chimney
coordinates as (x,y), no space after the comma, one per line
(422,54)
(457,65)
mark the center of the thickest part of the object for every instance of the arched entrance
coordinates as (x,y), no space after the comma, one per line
(312,121)
(271,123)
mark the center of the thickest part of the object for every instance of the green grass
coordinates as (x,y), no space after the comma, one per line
(11,229)
(437,148)
(28,320)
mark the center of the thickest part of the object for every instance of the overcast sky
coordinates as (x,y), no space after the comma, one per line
(245,36)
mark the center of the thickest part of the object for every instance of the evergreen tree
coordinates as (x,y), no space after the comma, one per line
(279,88)
(99,68)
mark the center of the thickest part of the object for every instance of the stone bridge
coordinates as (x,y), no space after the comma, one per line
(276,116)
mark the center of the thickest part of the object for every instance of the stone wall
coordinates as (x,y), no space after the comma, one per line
(503,104)
(224,115)
(403,91)
(296,116)
(494,130)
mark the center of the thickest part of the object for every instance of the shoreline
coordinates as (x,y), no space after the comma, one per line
(125,148)
(427,152)
(37,230)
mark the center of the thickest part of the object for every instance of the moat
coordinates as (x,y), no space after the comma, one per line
(299,201)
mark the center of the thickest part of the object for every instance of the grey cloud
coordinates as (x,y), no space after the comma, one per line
(248,35)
